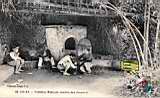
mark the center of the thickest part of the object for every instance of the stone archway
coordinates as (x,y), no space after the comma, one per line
(63,40)
(70,44)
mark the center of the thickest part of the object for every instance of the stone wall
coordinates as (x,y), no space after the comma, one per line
(30,35)
(57,36)
(99,31)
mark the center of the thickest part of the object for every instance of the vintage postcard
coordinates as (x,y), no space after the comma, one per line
(80,48)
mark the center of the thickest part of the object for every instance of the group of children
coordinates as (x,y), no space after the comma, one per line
(67,65)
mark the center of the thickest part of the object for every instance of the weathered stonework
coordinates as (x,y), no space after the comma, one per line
(57,36)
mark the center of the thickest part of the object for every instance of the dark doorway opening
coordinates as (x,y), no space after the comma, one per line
(70,44)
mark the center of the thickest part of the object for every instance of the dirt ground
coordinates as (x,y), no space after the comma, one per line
(38,83)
